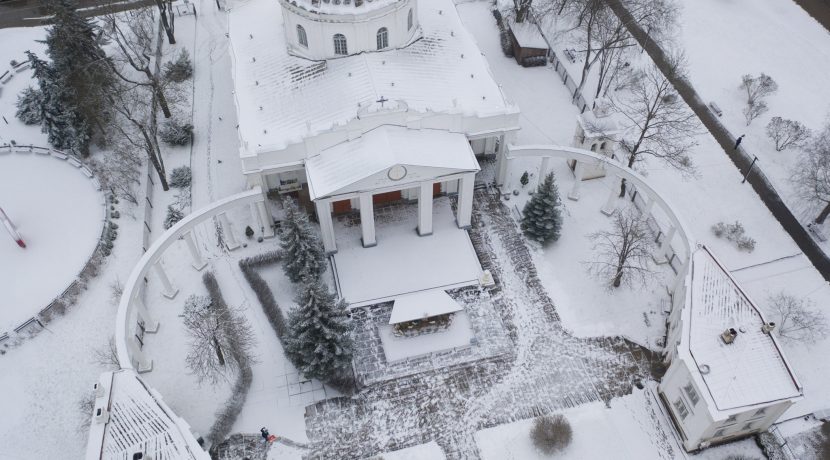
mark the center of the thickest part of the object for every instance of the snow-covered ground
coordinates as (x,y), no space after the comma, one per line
(776,37)
(16,42)
(60,219)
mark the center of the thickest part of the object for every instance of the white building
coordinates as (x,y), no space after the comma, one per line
(351,103)
(728,376)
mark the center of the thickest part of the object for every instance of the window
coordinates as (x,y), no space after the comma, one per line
(731,420)
(692,394)
(383,38)
(409,20)
(340,44)
(748,427)
(602,146)
(594,147)
(719,433)
(682,411)
(301,36)
(760,412)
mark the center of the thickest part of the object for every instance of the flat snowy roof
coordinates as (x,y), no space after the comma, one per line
(424,304)
(528,35)
(751,370)
(282,99)
(361,164)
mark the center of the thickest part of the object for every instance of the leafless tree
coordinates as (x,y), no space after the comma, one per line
(757,88)
(221,339)
(120,170)
(169,25)
(811,175)
(133,33)
(107,355)
(657,122)
(85,405)
(754,110)
(623,252)
(797,319)
(787,133)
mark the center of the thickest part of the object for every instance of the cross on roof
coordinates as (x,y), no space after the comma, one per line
(382,100)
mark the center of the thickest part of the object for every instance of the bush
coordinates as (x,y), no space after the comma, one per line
(524,179)
(551,433)
(181,177)
(736,234)
(176,133)
(173,215)
(506,43)
(535,61)
(261,289)
(249,232)
(179,70)
(29,103)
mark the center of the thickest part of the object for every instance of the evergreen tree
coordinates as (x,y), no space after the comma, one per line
(65,127)
(29,106)
(303,252)
(542,218)
(319,340)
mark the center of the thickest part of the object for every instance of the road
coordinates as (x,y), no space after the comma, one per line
(27,13)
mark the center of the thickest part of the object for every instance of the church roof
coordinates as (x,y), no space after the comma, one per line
(283,99)
(363,163)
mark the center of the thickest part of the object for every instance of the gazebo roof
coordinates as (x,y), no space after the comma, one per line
(364,163)
(422,305)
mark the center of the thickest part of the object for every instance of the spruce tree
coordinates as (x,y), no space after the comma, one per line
(65,127)
(319,340)
(542,218)
(302,251)
(29,106)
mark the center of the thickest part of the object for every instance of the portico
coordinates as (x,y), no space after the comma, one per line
(391,160)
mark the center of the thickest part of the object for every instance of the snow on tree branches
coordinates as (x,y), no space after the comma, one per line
(542,216)
(303,252)
(757,88)
(30,106)
(179,70)
(787,133)
(319,341)
(797,319)
(811,175)
(624,251)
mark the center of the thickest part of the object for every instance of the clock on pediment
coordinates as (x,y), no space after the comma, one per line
(396,172)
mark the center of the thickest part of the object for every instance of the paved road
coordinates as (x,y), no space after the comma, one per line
(27,13)
(741,159)
(818,9)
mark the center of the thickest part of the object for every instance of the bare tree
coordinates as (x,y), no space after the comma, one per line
(757,88)
(120,171)
(811,175)
(133,34)
(624,251)
(221,339)
(754,110)
(797,319)
(107,355)
(787,133)
(168,25)
(657,122)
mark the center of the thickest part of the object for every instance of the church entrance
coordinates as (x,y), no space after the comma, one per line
(388,197)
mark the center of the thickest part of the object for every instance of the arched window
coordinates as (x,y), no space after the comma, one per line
(602,146)
(383,38)
(340,44)
(409,20)
(301,36)
(594,147)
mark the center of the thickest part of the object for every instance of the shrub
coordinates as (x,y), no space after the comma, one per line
(29,103)
(524,179)
(261,289)
(506,43)
(535,61)
(181,177)
(176,133)
(551,433)
(734,233)
(173,215)
(249,232)
(179,70)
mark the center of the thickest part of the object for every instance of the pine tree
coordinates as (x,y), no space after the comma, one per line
(319,340)
(29,106)
(65,127)
(542,218)
(303,252)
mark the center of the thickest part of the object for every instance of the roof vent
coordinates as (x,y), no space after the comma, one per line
(101,415)
(98,389)
(768,327)
(729,335)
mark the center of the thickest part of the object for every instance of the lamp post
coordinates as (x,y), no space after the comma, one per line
(12,229)
(750,169)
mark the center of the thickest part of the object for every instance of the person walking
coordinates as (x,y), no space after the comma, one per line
(265,434)
(738,142)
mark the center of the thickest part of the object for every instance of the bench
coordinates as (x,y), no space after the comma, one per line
(715,108)
(571,54)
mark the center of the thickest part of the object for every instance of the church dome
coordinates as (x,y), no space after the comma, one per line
(325,29)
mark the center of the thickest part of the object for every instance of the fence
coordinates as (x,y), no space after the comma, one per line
(35,324)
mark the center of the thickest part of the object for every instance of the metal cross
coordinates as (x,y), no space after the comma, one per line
(382,100)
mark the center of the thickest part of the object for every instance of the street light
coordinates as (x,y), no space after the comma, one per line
(750,169)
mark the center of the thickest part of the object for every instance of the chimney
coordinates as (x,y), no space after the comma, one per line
(768,327)
(101,415)
(729,335)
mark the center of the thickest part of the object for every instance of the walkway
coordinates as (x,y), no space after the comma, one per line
(547,370)
(742,160)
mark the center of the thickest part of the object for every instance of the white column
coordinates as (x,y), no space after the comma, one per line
(367,220)
(227,232)
(265,219)
(326,226)
(150,325)
(425,209)
(198,262)
(662,254)
(168,290)
(139,359)
(501,162)
(613,194)
(465,200)
(579,170)
(681,276)
(649,205)
(543,169)
(490,145)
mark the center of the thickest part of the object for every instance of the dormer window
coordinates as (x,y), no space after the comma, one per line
(383,38)
(302,38)
(340,45)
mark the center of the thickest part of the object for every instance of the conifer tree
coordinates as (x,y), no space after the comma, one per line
(542,218)
(29,106)
(319,340)
(303,252)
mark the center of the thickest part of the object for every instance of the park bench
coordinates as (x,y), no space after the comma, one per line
(715,108)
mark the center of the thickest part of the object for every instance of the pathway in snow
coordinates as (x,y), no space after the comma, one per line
(549,370)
